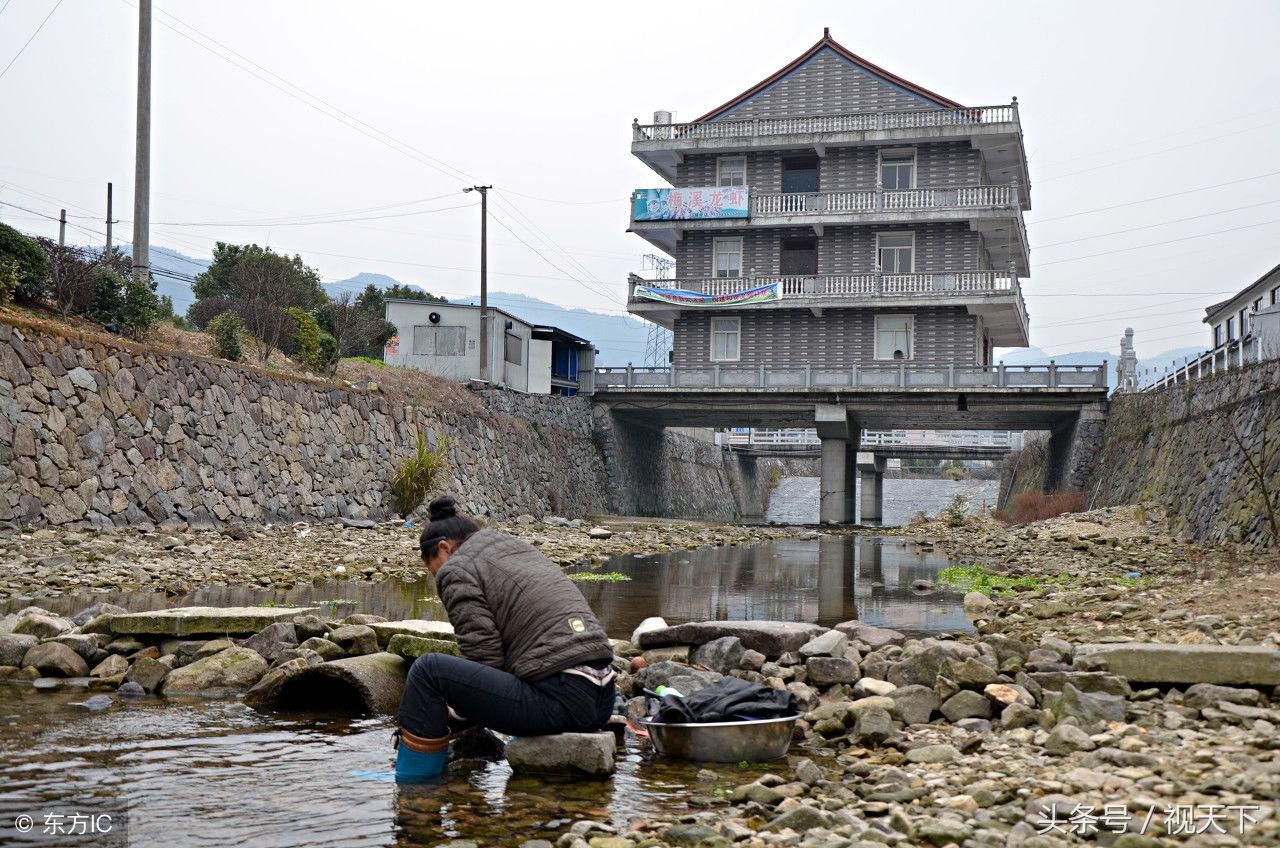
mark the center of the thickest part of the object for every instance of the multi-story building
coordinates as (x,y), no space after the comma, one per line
(836,216)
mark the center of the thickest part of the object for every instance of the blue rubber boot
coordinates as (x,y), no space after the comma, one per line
(419,759)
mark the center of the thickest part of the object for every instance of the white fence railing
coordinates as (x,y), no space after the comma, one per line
(1231,356)
(845,285)
(893,376)
(903,119)
(801,437)
(871,200)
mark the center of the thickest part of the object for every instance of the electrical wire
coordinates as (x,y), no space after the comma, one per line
(1151,199)
(27,43)
(1159,243)
(1158,224)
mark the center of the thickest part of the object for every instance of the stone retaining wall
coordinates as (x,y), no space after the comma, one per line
(1175,447)
(99,431)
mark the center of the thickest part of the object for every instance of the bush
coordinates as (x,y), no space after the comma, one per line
(953,473)
(108,298)
(957,511)
(226,329)
(1026,507)
(415,476)
(30,264)
(200,313)
(8,281)
(141,307)
(312,347)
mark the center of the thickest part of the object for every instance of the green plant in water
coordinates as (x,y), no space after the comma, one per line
(957,511)
(975,578)
(416,474)
(599,577)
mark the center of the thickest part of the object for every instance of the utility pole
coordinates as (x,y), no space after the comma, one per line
(484,280)
(106,253)
(62,228)
(142,151)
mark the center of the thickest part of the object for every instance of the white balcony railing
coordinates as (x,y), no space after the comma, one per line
(872,200)
(906,119)
(900,375)
(855,285)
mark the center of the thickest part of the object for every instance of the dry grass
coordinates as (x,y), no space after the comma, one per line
(410,386)
(1026,507)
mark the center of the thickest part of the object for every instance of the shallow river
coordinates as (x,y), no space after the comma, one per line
(200,772)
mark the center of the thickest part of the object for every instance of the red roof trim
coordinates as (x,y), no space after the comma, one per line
(828,41)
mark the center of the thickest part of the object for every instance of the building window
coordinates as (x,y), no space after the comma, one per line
(1217,335)
(731,171)
(1244,323)
(1275,295)
(439,340)
(512,349)
(1231,329)
(726,339)
(894,336)
(727,257)
(897,169)
(895,253)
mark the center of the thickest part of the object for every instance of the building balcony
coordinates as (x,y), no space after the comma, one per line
(996,130)
(996,296)
(662,216)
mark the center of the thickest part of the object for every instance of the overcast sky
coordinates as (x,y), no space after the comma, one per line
(398,105)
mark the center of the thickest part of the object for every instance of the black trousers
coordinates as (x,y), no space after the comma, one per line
(492,698)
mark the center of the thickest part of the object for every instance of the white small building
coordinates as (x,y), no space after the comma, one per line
(444,339)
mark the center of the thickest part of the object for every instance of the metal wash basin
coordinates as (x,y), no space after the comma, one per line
(724,741)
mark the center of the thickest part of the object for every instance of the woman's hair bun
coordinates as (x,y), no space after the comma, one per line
(442,508)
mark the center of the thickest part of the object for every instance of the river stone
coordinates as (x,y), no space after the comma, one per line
(682,678)
(867,686)
(688,835)
(232,670)
(806,695)
(1067,738)
(384,630)
(968,673)
(1085,681)
(94,703)
(977,604)
(915,703)
(874,726)
(870,635)
(1153,662)
(213,646)
(828,671)
(833,643)
(42,626)
(326,649)
(800,819)
(272,639)
(943,831)
(651,623)
(114,664)
(722,655)
(1203,695)
(188,621)
(93,611)
(771,638)
(966,704)
(130,690)
(56,659)
(933,754)
(412,647)
(756,792)
(565,753)
(1089,707)
(147,673)
(355,639)
(14,646)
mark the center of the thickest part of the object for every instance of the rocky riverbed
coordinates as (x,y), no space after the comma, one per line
(51,562)
(1037,731)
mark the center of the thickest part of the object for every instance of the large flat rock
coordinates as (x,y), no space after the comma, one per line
(771,638)
(413,627)
(588,754)
(1153,662)
(189,621)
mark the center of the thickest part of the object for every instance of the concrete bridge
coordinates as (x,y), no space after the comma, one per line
(1069,402)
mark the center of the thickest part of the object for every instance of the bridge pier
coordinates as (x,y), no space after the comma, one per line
(835,493)
(871,506)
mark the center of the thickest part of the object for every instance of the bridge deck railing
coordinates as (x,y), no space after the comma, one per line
(892,376)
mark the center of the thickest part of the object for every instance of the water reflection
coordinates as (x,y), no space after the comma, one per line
(825,580)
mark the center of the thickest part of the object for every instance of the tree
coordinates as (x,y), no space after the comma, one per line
(29,261)
(358,331)
(71,278)
(123,303)
(404,292)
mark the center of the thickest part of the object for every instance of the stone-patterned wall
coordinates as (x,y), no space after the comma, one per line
(1175,447)
(99,433)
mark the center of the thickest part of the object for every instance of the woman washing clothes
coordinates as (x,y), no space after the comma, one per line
(535,660)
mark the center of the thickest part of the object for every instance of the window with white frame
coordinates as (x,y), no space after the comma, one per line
(1244,323)
(1217,335)
(895,253)
(726,339)
(1275,295)
(894,336)
(727,257)
(897,169)
(731,171)
(1231,329)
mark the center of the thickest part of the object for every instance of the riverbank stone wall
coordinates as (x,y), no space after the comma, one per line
(96,431)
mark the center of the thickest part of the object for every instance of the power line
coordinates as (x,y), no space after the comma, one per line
(1158,224)
(27,43)
(1150,199)
(311,223)
(1159,243)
